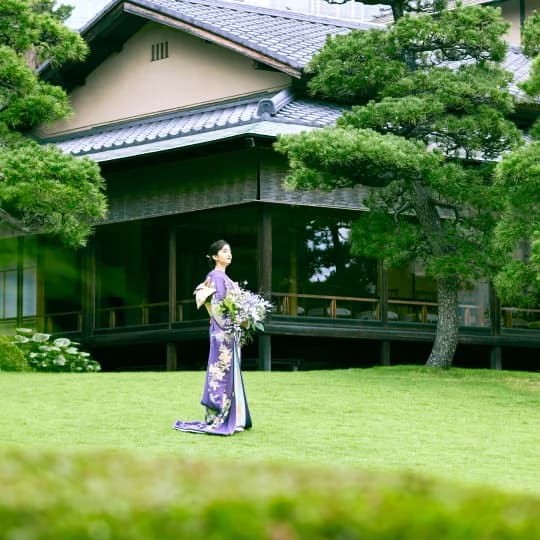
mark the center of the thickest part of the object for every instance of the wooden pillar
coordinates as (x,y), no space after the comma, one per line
(496,357)
(385,353)
(264,270)
(40,284)
(383,293)
(264,265)
(172,360)
(88,300)
(172,356)
(20,280)
(495,327)
(172,276)
(265,353)
(494,312)
(292,300)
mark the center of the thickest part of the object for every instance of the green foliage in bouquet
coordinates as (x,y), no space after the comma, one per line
(243,313)
(11,357)
(61,354)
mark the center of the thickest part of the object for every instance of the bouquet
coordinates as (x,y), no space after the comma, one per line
(243,313)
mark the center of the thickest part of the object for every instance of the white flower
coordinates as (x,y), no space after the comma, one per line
(62,342)
(61,360)
(40,338)
(24,331)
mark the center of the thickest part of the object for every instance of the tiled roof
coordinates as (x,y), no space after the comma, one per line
(517,63)
(292,38)
(203,125)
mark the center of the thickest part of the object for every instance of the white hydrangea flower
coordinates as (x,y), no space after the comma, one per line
(40,338)
(24,331)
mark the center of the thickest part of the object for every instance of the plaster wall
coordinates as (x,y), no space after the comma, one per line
(129,85)
(512,13)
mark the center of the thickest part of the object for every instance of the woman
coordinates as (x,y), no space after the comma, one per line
(223,395)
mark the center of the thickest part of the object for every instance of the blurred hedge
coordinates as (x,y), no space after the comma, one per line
(106,496)
(11,357)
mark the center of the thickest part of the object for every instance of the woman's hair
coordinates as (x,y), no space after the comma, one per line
(213,250)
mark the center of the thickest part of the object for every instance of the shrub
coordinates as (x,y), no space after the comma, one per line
(56,495)
(60,354)
(11,357)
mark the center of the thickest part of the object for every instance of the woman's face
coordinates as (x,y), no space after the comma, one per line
(224,256)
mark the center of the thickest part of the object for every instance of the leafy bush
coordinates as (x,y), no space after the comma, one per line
(61,354)
(48,495)
(11,357)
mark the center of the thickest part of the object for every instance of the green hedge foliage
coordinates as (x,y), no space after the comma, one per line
(11,358)
(43,353)
(99,496)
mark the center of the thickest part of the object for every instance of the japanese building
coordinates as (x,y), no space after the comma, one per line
(180,103)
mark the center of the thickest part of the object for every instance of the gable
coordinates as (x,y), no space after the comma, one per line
(131,84)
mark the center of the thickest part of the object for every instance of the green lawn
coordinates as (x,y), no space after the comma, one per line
(474,427)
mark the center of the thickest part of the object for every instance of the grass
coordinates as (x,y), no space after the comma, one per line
(473,427)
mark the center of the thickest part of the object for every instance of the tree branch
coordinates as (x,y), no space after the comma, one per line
(13,222)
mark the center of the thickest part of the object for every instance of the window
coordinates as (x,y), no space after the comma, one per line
(160,51)
(9,282)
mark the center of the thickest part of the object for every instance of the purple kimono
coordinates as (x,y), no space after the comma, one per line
(223,395)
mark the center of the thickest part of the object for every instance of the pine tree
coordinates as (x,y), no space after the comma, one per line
(42,190)
(430,115)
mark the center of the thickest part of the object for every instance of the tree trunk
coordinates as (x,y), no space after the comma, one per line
(446,337)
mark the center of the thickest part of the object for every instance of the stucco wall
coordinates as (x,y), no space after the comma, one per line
(129,85)
(511,12)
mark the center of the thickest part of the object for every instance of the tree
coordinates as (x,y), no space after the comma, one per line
(432,115)
(42,190)
(518,180)
(401,7)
